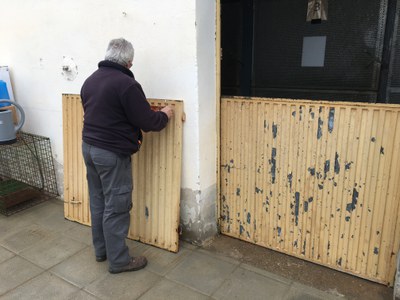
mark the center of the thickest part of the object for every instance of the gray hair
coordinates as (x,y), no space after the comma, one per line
(120,51)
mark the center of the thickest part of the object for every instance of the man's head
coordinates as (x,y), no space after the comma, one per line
(121,52)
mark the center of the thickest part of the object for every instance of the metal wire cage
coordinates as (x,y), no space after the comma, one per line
(26,167)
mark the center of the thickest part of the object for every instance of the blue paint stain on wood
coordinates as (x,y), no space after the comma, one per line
(348,165)
(248,218)
(382,151)
(327,167)
(319,131)
(258,191)
(294,113)
(331,119)
(273,164)
(274,130)
(237,191)
(376,250)
(296,207)
(266,204)
(290,177)
(352,206)
(312,171)
(310,199)
(337,165)
(339,262)
(279,231)
(304,247)
(320,186)
(241,229)
(347,219)
(146,212)
(229,166)
(305,205)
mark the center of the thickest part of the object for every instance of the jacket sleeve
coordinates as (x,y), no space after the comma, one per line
(138,110)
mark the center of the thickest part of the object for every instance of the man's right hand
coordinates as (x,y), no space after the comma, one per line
(169,111)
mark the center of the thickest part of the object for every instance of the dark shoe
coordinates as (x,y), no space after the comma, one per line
(135,264)
(101,258)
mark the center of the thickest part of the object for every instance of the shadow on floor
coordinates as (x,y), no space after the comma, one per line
(295,269)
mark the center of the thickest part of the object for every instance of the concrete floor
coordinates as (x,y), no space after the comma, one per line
(44,256)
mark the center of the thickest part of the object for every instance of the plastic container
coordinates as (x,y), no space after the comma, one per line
(4,94)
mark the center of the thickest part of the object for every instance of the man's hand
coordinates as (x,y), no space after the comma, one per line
(169,111)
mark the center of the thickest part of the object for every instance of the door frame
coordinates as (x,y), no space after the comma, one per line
(218,56)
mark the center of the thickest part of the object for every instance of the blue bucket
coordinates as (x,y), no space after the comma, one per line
(4,94)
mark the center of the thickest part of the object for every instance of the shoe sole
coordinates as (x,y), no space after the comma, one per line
(101,259)
(127,270)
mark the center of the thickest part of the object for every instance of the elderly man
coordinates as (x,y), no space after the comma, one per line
(115,113)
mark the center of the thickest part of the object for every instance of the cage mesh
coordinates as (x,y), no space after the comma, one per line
(30,161)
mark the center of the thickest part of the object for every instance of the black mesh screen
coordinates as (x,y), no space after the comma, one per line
(354,34)
(353,48)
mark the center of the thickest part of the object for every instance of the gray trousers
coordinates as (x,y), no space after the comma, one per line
(109,178)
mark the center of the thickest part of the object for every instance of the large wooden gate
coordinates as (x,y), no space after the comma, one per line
(156,176)
(316,180)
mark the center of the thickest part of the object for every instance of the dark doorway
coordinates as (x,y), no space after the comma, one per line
(269,49)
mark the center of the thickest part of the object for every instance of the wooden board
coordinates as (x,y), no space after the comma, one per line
(316,180)
(156,176)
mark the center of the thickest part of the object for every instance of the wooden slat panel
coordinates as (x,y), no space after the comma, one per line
(76,198)
(156,176)
(316,180)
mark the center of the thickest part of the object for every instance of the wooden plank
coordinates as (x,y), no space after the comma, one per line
(378,201)
(345,188)
(366,161)
(391,154)
(156,174)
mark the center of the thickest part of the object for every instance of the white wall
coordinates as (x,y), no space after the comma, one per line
(174,59)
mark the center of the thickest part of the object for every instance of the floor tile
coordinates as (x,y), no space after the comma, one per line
(53,218)
(25,237)
(266,274)
(219,256)
(79,232)
(16,271)
(161,261)
(299,291)
(72,269)
(201,272)
(12,224)
(166,289)
(244,284)
(81,295)
(5,254)
(44,286)
(136,248)
(183,244)
(52,251)
(43,211)
(128,285)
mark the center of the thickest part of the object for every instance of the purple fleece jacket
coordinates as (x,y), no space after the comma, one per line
(116,110)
